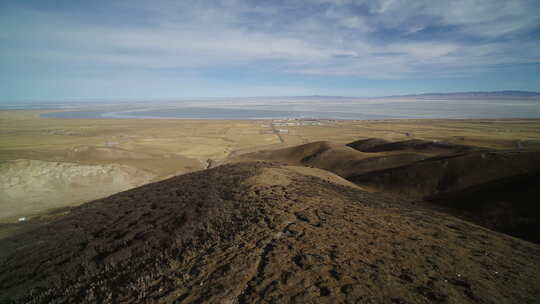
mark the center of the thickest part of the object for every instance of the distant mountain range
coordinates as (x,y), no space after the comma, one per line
(34,104)
(479,94)
(475,94)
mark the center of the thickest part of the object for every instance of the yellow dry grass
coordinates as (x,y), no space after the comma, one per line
(169,146)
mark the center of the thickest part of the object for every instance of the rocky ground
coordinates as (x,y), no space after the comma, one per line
(262,232)
(493,188)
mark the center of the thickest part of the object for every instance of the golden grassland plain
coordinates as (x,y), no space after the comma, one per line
(48,163)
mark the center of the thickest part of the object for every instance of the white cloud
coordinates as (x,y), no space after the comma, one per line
(337,40)
(479,17)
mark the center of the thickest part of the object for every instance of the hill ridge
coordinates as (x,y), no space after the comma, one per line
(264,232)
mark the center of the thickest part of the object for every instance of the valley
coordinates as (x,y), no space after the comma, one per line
(393,211)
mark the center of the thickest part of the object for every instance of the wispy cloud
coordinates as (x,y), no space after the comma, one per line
(387,39)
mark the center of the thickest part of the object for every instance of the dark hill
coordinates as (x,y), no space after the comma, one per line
(343,160)
(363,144)
(264,233)
(413,145)
(507,204)
(443,174)
(359,157)
(496,189)
(492,188)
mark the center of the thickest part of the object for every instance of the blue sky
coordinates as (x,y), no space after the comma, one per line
(133,49)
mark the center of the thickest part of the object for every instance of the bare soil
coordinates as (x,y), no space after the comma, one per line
(33,187)
(264,233)
(493,188)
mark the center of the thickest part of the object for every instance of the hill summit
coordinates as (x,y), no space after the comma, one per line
(264,232)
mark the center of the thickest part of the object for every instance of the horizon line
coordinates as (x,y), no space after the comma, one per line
(524,93)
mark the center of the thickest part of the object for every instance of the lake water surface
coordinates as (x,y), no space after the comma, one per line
(318,109)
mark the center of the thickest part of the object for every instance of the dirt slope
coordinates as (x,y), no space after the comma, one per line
(378,145)
(450,173)
(364,144)
(31,187)
(508,205)
(492,188)
(497,189)
(339,159)
(296,154)
(264,233)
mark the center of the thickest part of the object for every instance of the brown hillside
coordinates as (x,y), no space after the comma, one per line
(497,189)
(296,154)
(445,174)
(417,145)
(364,144)
(264,233)
(339,159)
(508,205)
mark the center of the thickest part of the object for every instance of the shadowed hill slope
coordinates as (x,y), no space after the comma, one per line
(508,205)
(364,144)
(463,179)
(339,159)
(267,233)
(298,154)
(377,145)
(445,174)
(497,189)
